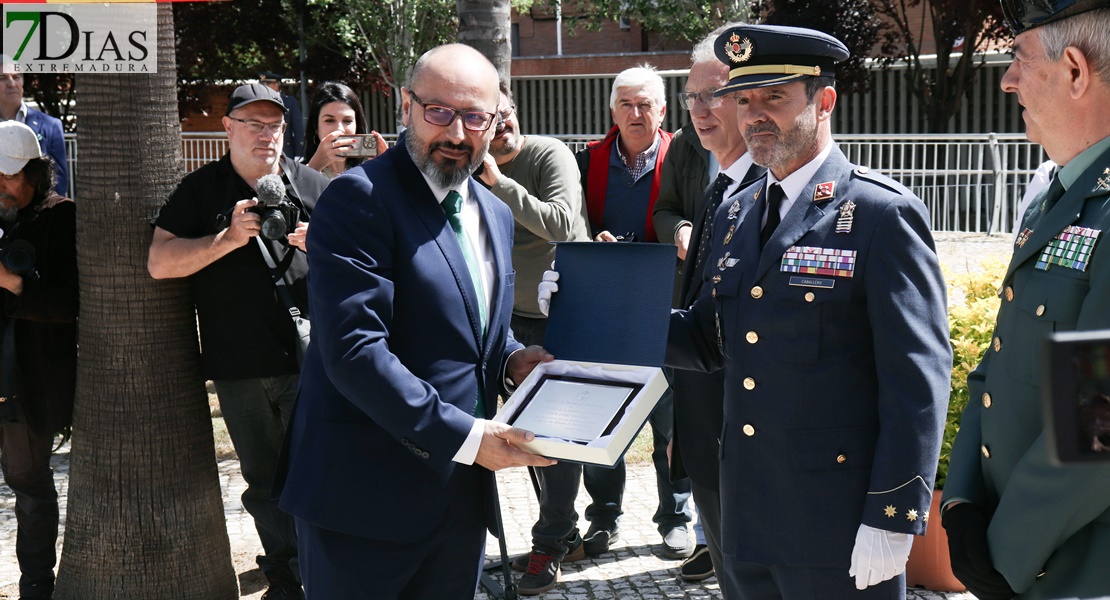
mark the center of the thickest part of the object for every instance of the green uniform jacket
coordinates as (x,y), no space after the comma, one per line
(1050,530)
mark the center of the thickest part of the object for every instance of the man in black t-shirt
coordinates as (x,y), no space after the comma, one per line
(207,233)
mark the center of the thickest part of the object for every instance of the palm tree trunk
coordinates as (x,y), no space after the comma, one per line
(145,518)
(486,25)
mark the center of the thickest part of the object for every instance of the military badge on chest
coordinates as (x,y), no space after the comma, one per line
(1071,248)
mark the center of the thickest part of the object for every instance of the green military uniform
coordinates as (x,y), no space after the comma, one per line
(1049,532)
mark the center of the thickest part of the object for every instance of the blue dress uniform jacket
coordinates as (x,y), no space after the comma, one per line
(397,357)
(1049,534)
(836,386)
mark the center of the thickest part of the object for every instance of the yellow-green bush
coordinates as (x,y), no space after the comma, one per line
(972,307)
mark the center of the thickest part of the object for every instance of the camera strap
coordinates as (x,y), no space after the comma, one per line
(279,278)
(7,360)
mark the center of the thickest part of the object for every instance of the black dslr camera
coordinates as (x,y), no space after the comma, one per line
(279,215)
(278,219)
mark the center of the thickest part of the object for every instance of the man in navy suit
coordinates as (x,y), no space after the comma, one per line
(389,454)
(47,129)
(826,308)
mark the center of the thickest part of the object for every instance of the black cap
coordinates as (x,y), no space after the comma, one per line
(269,76)
(1023,15)
(765,55)
(253,92)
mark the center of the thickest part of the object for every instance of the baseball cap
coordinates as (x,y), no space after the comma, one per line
(18,146)
(253,92)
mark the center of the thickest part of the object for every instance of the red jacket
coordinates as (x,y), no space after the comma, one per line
(596,177)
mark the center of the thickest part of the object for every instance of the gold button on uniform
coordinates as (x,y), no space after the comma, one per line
(997,344)
(749,430)
(810,296)
(757,292)
(986,400)
(841,458)
(749,383)
(752,337)
(1009,294)
(1040,311)
(986,451)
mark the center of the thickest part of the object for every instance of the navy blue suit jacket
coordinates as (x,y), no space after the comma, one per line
(52,141)
(836,386)
(396,362)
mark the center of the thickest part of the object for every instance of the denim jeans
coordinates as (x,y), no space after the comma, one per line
(257,412)
(606,486)
(25,460)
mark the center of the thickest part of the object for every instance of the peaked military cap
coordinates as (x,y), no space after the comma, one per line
(1023,15)
(765,55)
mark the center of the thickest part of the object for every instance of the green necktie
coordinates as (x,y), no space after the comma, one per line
(452,206)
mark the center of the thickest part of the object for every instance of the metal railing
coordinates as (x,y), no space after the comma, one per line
(970,183)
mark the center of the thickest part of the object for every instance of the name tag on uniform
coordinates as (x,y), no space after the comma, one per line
(1071,248)
(811,260)
(812,282)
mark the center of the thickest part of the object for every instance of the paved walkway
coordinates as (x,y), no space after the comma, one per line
(631,570)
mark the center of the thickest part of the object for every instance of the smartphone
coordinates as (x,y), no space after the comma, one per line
(365,145)
(1077,397)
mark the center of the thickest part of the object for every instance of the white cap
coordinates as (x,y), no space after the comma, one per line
(18,146)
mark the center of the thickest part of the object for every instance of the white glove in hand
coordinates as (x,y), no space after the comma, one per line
(547,289)
(879,555)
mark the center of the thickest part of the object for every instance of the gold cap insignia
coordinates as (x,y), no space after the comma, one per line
(738,50)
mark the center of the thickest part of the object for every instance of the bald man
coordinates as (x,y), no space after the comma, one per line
(390,457)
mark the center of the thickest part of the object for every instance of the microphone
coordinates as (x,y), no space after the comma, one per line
(270,190)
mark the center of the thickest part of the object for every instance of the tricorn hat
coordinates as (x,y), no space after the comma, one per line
(764,55)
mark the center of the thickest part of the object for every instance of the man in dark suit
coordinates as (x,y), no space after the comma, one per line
(711,142)
(826,309)
(389,452)
(48,130)
(38,345)
(1018,525)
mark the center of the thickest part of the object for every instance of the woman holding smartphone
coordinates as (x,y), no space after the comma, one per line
(339,136)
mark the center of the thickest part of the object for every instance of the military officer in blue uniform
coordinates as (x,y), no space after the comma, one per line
(1019,526)
(825,306)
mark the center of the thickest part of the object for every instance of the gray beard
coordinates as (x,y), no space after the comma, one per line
(446,176)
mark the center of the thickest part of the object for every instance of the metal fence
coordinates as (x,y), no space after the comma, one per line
(971,182)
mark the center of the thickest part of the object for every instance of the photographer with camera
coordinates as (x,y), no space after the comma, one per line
(246,263)
(38,344)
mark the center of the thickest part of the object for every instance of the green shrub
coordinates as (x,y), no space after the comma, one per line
(972,308)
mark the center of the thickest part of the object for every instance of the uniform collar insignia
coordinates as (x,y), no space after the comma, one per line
(1103,183)
(824,191)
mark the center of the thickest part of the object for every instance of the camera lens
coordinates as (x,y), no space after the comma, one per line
(19,257)
(273,224)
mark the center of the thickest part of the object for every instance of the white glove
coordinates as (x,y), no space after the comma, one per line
(879,555)
(547,289)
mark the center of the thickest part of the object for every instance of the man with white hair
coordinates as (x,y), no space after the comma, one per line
(38,344)
(621,180)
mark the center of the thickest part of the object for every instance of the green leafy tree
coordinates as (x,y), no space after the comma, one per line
(959,29)
(688,20)
(853,22)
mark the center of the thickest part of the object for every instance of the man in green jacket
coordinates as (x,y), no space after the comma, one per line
(1018,525)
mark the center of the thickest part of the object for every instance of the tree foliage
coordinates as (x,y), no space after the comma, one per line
(688,20)
(853,22)
(973,26)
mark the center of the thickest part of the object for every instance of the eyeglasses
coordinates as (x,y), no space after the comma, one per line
(257,127)
(508,112)
(686,99)
(474,120)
